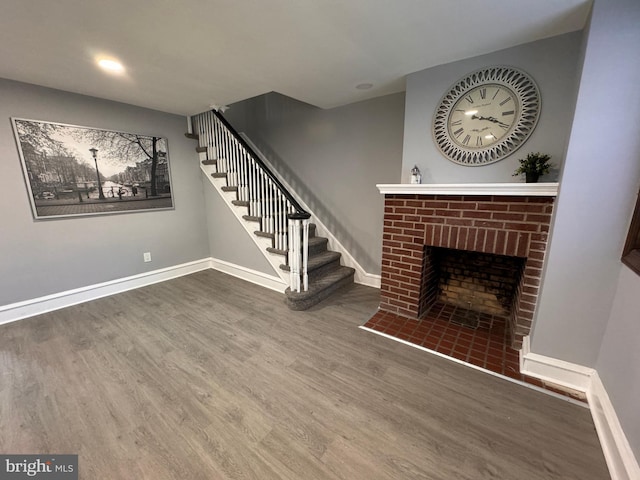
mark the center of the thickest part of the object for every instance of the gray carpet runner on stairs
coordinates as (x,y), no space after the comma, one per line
(326,274)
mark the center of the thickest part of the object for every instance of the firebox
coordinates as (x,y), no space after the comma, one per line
(473,281)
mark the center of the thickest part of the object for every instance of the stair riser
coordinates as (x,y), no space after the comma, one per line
(324,269)
(317,248)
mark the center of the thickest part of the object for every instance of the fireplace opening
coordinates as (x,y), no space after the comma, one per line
(475,283)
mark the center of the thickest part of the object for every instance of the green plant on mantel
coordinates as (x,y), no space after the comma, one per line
(533,166)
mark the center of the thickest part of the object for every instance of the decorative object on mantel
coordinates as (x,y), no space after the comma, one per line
(535,165)
(486,116)
(416,176)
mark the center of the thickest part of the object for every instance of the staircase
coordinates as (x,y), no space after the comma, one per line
(269,213)
(325,274)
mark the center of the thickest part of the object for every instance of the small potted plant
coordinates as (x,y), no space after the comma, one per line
(533,166)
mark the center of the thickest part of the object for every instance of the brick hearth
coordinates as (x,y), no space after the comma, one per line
(508,225)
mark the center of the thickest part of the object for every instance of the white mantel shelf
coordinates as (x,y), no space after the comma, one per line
(524,189)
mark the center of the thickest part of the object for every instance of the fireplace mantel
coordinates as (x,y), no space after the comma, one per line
(526,189)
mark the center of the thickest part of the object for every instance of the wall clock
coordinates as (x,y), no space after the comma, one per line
(486,116)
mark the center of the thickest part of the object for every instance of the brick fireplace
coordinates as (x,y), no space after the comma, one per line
(477,245)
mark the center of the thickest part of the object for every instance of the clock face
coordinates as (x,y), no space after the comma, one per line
(483,116)
(486,116)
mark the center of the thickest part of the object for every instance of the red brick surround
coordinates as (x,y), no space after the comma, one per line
(504,225)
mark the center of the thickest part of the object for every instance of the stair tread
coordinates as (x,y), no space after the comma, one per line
(201,149)
(209,162)
(318,260)
(240,203)
(322,283)
(278,251)
(219,175)
(252,218)
(229,189)
(264,234)
(192,136)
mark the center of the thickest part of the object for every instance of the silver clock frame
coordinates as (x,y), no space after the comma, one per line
(526,94)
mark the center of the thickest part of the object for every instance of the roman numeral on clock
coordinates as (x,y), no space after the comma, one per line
(458,132)
(466,140)
(483,93)
(505,101)
(456,123)
(478,141)
(508,112)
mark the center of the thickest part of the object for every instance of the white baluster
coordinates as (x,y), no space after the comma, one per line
(224,162)
(243,171)
(270,226)
(305,254)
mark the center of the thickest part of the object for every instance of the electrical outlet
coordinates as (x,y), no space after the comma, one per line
(147,256)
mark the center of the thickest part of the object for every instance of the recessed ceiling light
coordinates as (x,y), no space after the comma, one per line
(364,86)
(111,66)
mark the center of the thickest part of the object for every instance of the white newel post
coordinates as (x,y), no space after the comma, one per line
(299,254)
(294,254)
(305,253)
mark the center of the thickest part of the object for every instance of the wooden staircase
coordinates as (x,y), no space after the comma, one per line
(270,213)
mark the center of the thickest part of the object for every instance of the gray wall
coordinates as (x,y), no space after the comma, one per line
(44,257)
(597,191)
(619,360)
(334,159)
(552,63)
(589,304)
(228,240)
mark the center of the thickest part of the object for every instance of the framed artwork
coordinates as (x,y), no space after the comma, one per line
(71,170)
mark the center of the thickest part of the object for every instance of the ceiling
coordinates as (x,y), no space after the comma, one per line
(184,56)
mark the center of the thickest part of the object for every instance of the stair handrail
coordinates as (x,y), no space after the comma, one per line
(300,213)
(292,231)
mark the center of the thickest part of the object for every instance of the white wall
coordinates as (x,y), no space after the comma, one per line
(552,63)
(333,158)
(39,258)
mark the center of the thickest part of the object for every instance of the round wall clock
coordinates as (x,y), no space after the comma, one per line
(486,116)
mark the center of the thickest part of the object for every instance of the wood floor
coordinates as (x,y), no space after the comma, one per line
(208,377)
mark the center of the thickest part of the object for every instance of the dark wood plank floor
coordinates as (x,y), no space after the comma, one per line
(208,377)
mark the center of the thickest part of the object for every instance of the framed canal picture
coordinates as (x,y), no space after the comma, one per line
(76,171)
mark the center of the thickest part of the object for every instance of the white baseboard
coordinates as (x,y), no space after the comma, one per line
(368,280)
(476,367)
(620,458)
(249,227)
(48,303)
(259,278)
(36,306)
(565,374)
